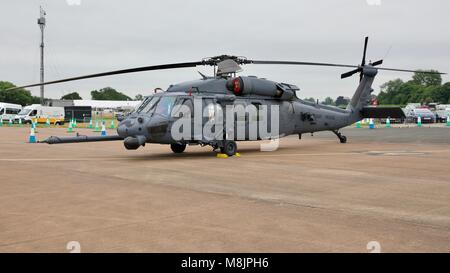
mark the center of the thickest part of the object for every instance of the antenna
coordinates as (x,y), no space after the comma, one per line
(41,23)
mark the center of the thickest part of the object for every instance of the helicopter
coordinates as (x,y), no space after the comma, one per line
(154,121)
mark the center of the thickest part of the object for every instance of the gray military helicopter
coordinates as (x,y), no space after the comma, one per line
(152,121)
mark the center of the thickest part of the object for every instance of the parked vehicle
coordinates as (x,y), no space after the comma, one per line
(9,110)
(426,115)
(441,115)
(40,114)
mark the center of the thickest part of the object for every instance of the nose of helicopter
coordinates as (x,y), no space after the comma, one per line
(136,131)
(132,126)
(132,130)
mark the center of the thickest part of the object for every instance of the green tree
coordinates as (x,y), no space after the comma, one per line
(443,93)
(446,90)
(427,79)
(391,86)
(410,92)
(311,99)
(139,97)
(389,90)
(108,93)
(72,96)
(18,96)
(37,100)
(328,101)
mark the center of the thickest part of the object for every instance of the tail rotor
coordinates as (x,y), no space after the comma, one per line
(363,63)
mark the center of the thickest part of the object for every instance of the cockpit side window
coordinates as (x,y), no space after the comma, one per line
(165,106)
(188,103)
(183,107)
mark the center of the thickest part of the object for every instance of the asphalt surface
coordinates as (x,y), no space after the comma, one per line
(391,186)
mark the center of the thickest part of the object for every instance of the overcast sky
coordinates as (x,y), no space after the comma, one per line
(103,35)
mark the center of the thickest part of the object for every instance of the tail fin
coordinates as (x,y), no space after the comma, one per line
(361,98)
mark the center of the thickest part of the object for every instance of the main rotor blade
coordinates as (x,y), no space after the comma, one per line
(358,67)
(302,63)
(411,71)
(117,72)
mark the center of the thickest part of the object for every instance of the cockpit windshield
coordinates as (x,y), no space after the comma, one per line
(159,105)
(147,105)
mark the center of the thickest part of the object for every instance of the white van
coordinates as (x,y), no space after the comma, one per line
(9,111)
(40,114)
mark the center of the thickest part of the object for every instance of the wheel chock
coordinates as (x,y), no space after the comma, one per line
(220,155)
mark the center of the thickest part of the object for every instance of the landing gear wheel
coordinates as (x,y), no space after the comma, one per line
(178,148)
(343,139)
(229,148)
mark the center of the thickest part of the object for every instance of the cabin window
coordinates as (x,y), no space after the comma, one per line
(11,111)
(187,110)
(211,109)
(188,103)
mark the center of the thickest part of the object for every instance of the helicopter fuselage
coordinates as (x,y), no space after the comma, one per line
(153,120)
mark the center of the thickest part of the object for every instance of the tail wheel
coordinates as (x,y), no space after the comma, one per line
(229,148)
(178,148)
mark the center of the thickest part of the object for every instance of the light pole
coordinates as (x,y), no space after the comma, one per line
(41,23)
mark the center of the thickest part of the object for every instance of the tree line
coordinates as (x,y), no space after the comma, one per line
(422,88)
(19,96)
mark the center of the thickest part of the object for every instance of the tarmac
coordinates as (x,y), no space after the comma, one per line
(391,186)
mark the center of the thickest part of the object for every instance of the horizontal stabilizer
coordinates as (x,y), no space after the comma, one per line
(382,112)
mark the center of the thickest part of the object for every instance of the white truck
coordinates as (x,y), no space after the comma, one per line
(9,111)
(40,114)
